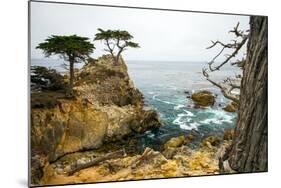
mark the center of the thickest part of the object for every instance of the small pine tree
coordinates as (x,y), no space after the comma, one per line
(116,41)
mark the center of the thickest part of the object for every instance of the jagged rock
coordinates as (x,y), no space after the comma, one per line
(67,128)
(210,142)
(150,164)
(231,107)
(38,161)
(203,98)
(145,120)
(175,142)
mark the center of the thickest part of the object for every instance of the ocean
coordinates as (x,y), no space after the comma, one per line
(165,86)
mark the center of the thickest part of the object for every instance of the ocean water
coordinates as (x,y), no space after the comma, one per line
(166,85)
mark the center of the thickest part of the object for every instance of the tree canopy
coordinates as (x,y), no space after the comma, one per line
(73,49)
(116,41)
(73,46)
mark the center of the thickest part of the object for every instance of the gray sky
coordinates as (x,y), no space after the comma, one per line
(162,35)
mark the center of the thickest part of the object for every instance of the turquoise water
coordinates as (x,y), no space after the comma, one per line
(166,86)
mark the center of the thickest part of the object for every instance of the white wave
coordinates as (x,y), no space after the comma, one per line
(218,117)
(177,120)
(178,107)
(181,115)
(186,126)
(188,113)
(183,121)
(154,97)
(211,120)
(151,92)
(195,124)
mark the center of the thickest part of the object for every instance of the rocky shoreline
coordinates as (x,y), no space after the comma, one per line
(176,160)
(70,138)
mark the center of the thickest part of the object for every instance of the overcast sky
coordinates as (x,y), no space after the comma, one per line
(162,35)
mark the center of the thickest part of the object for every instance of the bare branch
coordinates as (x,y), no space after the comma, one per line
(239,46)
(233,45)
(225,91)
(238,33)
(239,63)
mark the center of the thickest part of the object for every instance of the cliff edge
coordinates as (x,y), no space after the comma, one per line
(106,108)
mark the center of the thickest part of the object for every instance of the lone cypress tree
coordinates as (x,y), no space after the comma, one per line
(116,41)
(73,49)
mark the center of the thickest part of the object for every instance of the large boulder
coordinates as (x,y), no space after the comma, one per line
(231,107)
(66,128)
(175,142)
(203,98)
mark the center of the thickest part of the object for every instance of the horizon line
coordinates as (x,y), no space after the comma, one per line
(130,60)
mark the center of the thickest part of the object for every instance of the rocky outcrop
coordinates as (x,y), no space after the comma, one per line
(231,107)
(203,98)
(211,142)
(148,165)
(68,127)
(107,107)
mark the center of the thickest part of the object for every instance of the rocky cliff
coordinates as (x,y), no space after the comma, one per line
(106,107)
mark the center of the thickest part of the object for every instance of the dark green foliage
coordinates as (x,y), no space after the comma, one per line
(47,79)
(68,47)
(116,39)
(73,49)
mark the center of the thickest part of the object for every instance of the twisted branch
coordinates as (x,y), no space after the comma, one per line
(226,91)
(234,45)
(228,84)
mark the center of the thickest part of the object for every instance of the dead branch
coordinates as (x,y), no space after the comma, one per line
(226,91)
(112,155)
(240,35)
(229,57)
(239,63)
(228,85)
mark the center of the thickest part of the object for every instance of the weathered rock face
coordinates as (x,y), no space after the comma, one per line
(203,98)
(106,108)
(68,127)
(150,164)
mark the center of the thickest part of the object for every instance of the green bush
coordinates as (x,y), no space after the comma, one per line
(47,79)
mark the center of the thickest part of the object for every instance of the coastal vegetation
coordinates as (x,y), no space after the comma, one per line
(116,42)
(73,49)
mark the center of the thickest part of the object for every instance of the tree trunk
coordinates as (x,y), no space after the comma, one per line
(249,150)
(71,76)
